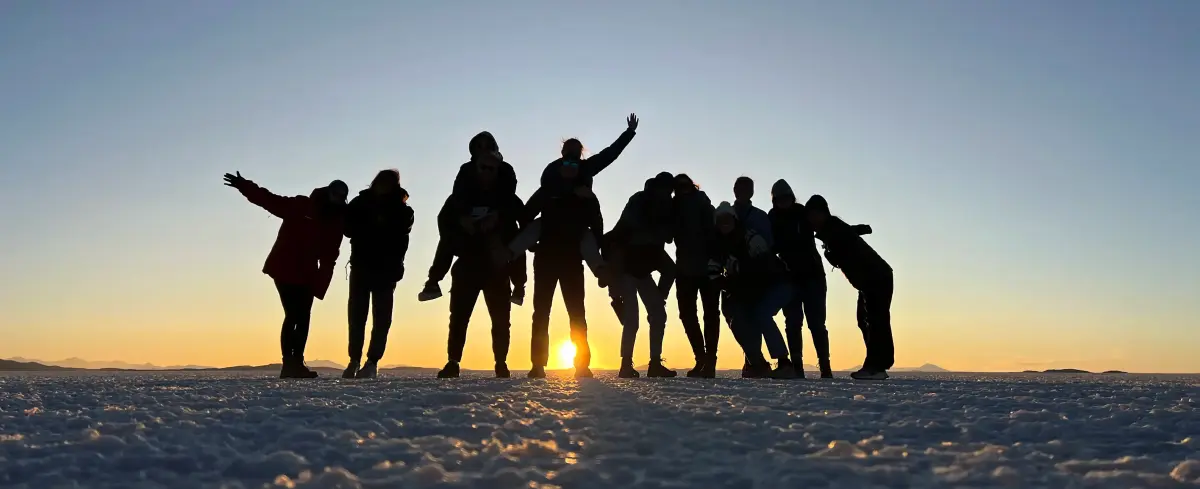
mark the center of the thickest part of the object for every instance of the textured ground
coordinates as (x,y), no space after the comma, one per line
(176,430)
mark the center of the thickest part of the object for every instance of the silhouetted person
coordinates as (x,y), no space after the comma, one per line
(568,219)
(482,147)
(693,230)
(488,219)
(378,223)
(796,246)
(752,218)
(870,274)
(572,155)
(638,239)
(756,288)
(302,259)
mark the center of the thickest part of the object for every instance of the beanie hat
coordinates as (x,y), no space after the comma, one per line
(816,202)
(724,208)
(781,189)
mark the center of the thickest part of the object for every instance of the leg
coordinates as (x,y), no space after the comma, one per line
(666,274)
(881,349)
(627,290)
(545,279)
(710,300)
(656,315)
(764,310)
(573,295)
(442,259)
(356,312)
(528,237)
(793,315)
(686,289)
(591,253)
(287,300)
(863,326)
(304,303)
(382,299)
(738,316)
(814,306)
(517,272)
(496,296)
(463,295)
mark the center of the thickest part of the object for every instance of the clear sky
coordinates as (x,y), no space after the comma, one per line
(1029,167)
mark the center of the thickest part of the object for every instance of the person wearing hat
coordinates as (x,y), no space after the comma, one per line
(638,239)
(302,259)
(693,228)
(755,288)
(869,274)
(797,248)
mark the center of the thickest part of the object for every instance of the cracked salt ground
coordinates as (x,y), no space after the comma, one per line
(183,430)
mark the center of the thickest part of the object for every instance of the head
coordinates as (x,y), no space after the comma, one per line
(483,146)
(743,188)
(818,211)
(330,199)
(487,171)
(386,182)
(781,195)
(337,192)
(662,184)
(684,184)
(569,169)
(572,149)
(725,218)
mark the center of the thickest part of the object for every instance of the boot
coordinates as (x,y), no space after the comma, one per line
(351,371)
(369,370)
(826,372)
(698,370)
(430,292)
(784,370)
(656,369)
(450,371)
(502,370)
(865,374)
(300,371)
(747,370)
(627,371)
(757,371)
(710,368)
(583,373)
(538,372)
(798,367)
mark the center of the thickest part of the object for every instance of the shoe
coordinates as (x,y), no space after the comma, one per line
(656,369)
(518,296)
(747,370)
(303,372)
(757,371)
(351,371)
(865,374)
(698,370)
(826,372)
(502,371)
(627,371)
(369,370)
(784,370)
(450,371)
(798,366)
(430,292)
(537,372)
(710,368)
(583,373)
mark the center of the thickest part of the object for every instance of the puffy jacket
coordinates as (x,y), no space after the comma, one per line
(309,240)
(846,249)
(795,242)
(693,229)
(379,227)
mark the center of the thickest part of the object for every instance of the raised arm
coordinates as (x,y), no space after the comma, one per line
(861,229)
(599,161)
(279,206)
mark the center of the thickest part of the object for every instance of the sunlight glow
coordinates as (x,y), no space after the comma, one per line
(566,354)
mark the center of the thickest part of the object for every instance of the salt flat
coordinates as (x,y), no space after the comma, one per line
(185,430)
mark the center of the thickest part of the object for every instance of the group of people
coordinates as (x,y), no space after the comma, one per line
(737,260)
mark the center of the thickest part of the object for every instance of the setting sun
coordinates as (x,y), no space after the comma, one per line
(566,354)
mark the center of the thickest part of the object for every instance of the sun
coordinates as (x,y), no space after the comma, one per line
(566,353)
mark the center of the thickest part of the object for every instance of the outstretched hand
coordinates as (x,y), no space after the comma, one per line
(632,121)
(234,180)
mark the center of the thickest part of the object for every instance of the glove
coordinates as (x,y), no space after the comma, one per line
(714,270)
(757,245)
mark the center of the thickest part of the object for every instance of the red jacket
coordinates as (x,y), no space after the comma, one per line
(307,246)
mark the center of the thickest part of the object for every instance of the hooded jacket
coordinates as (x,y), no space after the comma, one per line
(739,273)
(846,249)
(465,183)
(794,237)
(642,231)
(309,240)
(553,181)
(379,227)
(693,229)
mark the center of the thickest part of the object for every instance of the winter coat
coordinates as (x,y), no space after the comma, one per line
(510,210)
(755,220)
(846,249)
(644,228)
(466,184)
(740,274)
(379,227)
(795,243)
(565,217)
(693,229)
(553,181)
(308,243)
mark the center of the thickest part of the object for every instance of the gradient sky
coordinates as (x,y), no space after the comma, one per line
(1029,167)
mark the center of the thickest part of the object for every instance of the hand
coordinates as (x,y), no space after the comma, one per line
(234,180)
(632,121)
(757,245)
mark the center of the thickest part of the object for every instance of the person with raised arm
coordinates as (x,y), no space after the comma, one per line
(301,261)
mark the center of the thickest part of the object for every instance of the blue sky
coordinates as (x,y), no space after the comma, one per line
(1029,167)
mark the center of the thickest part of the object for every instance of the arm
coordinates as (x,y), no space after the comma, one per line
(536,203)
(279,206)
(599,161)
(861,229)
(331,244)
(409,220)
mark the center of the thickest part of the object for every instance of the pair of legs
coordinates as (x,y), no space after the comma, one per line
(704,343)
(297,301)
(550,271)
(751,317)
(443,257)
(469,281)
(808,301)
(875,321)
(368,291)
(624,293)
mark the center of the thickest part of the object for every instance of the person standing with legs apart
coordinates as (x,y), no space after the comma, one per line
(378,223)
(797,248)
(638,239)
(752,218)
(755,288)
(694,228)
(302,260)
(870,274)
